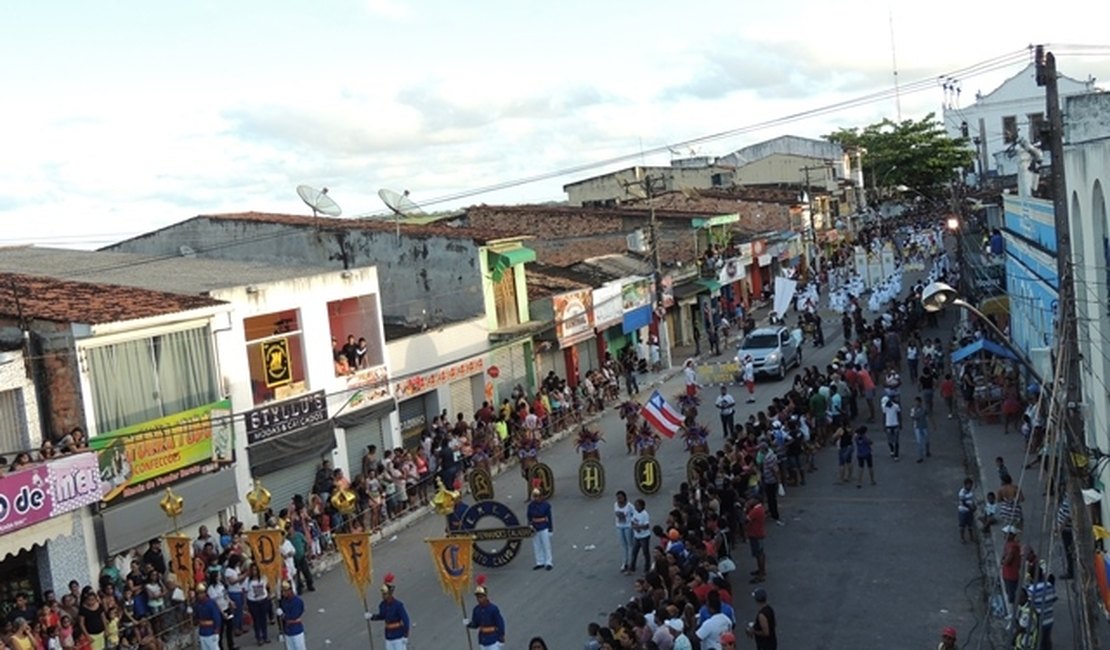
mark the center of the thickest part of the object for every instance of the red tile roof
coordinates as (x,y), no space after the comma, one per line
(385,224)
(68,301)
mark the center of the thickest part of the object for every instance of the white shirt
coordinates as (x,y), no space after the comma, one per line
(726,404)
(257,589)
(641,518)
(623,514)
(911,353)
(711,630)
(217,593)
(749,371)
(691,376)
(232,577)
(891,412)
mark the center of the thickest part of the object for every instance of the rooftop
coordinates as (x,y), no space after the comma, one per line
(68,301)
(437,229)
(545,281)
(175,274)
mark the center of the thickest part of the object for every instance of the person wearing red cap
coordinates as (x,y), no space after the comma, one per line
(947,639)
(728,641)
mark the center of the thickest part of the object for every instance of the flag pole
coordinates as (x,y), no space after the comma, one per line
(366,615)
(469,641)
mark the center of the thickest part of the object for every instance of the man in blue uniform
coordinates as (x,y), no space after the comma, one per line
(290,610)
(208,618)
(392,611)
(539,516)
(486,618)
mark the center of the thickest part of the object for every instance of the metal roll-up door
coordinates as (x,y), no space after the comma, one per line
(371,432)
(587,356)
(462,398)
(413,414)
(284,483)
(513,369)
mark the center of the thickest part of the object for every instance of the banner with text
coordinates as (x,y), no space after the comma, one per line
(453,558)
(180,550)
(574,316)
(265,548)
(280,418)
(137,459)
(355,551)
(44,491)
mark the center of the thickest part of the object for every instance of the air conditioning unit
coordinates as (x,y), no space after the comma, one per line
(636,241)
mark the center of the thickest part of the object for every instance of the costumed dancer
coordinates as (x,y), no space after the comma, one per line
(486,618)
(483,450)
(528,450)
(696,439)
(630,413)
(647,440)
(587,443)
(290,611)
(392,611)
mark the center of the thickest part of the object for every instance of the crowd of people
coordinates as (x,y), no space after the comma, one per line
(70,443)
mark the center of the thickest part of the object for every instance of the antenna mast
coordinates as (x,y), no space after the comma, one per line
(894,65)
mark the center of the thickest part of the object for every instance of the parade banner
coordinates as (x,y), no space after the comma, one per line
(357,559)
(180,549)
(44,491)
(265,548)
(784,295)
(149,456)
(453,559)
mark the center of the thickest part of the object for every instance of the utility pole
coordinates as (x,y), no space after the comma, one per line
(812,261)
(658,309)
(1068,344)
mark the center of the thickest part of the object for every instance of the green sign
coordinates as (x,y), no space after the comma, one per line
(148,456)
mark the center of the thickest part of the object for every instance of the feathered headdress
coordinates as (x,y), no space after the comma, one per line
(387,584)
(480,590)
(695,435)
(629,410)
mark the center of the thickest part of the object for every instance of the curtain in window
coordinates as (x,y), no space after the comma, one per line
(185,363)
(124,384)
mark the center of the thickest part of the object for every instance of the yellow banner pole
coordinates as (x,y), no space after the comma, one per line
(469,641)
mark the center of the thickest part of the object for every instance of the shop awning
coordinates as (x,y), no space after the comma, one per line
(512,257)
(292,448)
(356,416)
(26,538)
(686,290)
(710,284)
(982,345)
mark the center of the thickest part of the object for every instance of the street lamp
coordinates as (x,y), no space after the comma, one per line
(953,223)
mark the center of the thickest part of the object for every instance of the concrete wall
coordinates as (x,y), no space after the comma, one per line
(419,274)
(13,376)
(310,296)
(1087,166)
(614,187)
(787,169)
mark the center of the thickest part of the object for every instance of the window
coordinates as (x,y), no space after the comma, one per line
(13,421)
(1036,125)
(504,298)
(356,321)
(1009,129)
(275,354)
(718,180)
(137,381)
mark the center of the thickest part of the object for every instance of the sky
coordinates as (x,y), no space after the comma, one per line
(122,117)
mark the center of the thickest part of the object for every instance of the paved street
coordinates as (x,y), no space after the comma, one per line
(853,568)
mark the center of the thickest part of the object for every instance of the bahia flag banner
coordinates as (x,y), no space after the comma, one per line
(662,415)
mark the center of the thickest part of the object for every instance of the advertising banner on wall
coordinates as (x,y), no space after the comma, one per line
(47,490)
(279,418)
(574,316)
(636,293)
(608,305)
(149,456)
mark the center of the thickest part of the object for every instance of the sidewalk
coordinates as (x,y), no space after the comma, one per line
(986,441)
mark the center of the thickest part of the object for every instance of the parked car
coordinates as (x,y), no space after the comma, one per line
(773,351)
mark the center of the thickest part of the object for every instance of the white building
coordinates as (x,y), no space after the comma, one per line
(1087,165)
(274,354)
(997,120)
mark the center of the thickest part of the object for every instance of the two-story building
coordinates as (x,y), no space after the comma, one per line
(137,371)
(292,403)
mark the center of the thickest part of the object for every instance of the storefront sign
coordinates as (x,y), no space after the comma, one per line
(426,381)
(733,270)
(668,291)
(574,316)
(149,456)
(608,305)
(636,294)
(47,490)
(374,382)
(278,419)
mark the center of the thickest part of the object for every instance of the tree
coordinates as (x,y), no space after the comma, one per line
(917,154)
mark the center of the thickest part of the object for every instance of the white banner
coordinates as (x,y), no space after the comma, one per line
(784,293)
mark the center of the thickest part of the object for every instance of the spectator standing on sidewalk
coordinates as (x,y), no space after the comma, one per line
(641,536)
(948,394)
(1042,597)
(622,512)
(1011,563)
(771,476)
(755,529)
(764,629)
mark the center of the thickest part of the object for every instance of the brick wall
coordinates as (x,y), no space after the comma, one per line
(566,235)
(60,403)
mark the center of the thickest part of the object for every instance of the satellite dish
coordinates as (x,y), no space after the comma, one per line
(319,201)
(187,251)
(400,204)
